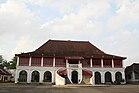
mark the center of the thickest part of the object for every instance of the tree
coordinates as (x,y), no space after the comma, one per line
(3,62)
(1,59)
(12,64)
(9,65)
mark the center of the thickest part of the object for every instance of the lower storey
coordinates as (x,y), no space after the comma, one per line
(69,75)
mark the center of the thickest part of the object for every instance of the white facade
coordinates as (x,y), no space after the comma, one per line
(58,80)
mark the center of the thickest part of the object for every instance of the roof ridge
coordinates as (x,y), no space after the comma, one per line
(67,40)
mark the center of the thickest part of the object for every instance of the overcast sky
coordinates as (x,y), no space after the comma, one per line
(111,25)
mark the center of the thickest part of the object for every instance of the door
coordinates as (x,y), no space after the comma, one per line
(74,77)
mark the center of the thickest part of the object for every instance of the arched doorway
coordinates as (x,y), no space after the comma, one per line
(35,76)
(108,77)
(23,76)
(97,78)
(118,77)
(47,76)
(74,77)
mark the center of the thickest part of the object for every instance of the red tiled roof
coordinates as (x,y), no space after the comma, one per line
(86,72)
(70,48)
(62,72)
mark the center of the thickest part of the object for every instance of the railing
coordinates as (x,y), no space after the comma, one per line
(58,79)
(75,65)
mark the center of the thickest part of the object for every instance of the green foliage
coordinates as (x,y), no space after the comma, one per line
(3,62)
(12,64)
(9,65)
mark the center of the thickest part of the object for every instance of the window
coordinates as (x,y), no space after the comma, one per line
(96,62)
(117,62)
(36,61)
(107,62)
(24,61)
(60,62)
(48,62)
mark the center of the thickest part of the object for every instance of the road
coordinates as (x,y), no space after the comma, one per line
(19,88)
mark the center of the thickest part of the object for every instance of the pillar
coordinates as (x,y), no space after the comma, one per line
(16,76)
(102,77)
(42,61)
(17,64)
(102,63)
(41,77)
(30,61)
(112,63)
(28,76)
(53,61)
(93,78)
(79,64)
(53,76)
(90,62)
(113,76)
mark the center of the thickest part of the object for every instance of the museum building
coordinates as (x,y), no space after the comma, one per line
(69,62)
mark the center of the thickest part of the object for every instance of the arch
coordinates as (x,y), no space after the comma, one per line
(23,76)
(97,78)
(108,77)
(74,77)
(35,76)
(47,76)
(118,77)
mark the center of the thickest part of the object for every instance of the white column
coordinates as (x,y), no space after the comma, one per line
(30,61)
(79,62)
(53,61)
(28,76)
(93,79)
(41,77)
(90,62)
(113,76)
(102,77)
(17,64)
(42,61)
(102,63)
(112,63)
(123,75)
(16,76)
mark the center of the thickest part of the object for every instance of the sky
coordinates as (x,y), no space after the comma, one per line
(111,25)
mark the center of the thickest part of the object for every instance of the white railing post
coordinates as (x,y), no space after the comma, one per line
(53,61)
(17,61)
(30,60)
(42,61)
(90,62)
(112,63)
(102,62)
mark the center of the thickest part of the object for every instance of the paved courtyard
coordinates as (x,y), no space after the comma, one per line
(18,88)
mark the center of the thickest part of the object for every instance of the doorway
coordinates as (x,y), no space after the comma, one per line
(74,77)
(97,78)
